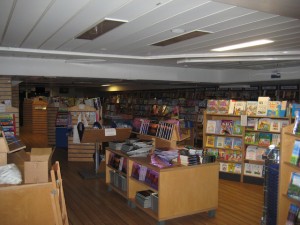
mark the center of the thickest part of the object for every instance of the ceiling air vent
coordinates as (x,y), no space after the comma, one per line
(180,38)
(101,28)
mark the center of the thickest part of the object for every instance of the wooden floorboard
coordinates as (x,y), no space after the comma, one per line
(90,203)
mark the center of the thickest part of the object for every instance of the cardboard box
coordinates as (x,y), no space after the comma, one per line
(3,149)
(37,169)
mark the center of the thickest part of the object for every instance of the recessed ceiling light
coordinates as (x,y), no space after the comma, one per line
(105,85)
(243,45)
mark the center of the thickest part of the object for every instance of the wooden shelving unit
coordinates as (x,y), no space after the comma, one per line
(242,177)
(51,115)
(10,119)
(182,190)
(285,171)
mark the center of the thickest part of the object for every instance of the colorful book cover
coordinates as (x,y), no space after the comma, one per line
(240,108)
(276,140)
(237,128)
(238,168)
(228,142)
(283,109)
(295,107)
(264,124)
(211,126)
(231,106)
(259,153)
(231,167)
(226,127)
(248,169)
(262,106)
(210,141)
(293,215)
(212,106)
(275,125)
(257,170)
(265,139)
(237,143)
(274,108)
(223,106)
(294,186)
(295,153)
(224,167)
(251,108)
(251,138)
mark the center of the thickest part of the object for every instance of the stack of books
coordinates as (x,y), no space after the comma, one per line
(143,198)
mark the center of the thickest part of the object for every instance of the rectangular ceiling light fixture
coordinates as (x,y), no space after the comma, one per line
(243,45)
(101,28)
(180,38)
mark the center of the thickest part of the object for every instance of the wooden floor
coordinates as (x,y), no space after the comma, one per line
(89,201)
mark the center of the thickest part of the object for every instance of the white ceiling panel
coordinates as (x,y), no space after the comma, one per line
(24,17)
(52,21)
(5,10)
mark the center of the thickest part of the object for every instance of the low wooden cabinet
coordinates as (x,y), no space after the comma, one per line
(182,190)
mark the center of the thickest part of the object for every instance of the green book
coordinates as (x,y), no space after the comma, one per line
(295,153)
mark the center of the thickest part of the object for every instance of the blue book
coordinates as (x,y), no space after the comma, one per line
(295,107)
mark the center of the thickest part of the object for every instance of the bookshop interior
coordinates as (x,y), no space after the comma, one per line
(133,112)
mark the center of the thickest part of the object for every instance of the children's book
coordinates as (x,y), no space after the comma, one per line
(293,215)
(276,140)
(213,126)
(231,167)
(259,153)
(262,106)
(274,108)
(220,142)
(257,170)
(265,139)
(210,141)
(224,167)
(294,186)
(240,108)
(238,168)
(251,138)
(212,106)
(251,152)
(228,142)
(283,109)
(275,125)
(237,128)
(251,108)
(295,153)
(226,127)
(248,169)
(252,123)
(237,143)
(295,107)
(223,106)
(264,124)
(231,106)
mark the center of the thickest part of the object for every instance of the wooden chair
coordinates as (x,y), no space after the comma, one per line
(57,196)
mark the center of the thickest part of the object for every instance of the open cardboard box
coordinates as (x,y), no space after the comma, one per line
(36,170)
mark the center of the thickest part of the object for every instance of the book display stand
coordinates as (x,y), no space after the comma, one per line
(98,136)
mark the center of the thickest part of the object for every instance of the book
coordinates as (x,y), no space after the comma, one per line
(293,217)
(135,172)
(283,109)
(240,108)
(213,126)
(265,139)
(274,108)
(224,167)
(238,168)
(248,169)
(237,143)
(212,106)
(220,142)
(228,142)
(295,107)
(257,170)
(259,153)
(275,125)
(210,141)
(294,186)
(251,152)
(276,140)
(251,108)
(237,128)
(231,106)
(295,153)
(264,124)
(226,127)
(252,123)
(262,106)
(223,106)
(251,138)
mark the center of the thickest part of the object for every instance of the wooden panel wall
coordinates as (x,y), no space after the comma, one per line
(5,89)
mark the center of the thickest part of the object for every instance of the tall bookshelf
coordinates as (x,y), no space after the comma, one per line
(237,175)
(286,169)
(181,190)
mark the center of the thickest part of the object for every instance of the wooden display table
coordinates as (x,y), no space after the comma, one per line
(182,190)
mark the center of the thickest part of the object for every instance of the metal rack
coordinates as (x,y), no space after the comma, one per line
(271,178)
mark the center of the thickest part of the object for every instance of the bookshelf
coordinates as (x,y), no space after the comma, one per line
(286,169)
(182,190)
(248,170)
(8,124)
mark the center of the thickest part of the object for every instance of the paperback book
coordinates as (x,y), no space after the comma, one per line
(231,106)
(210,141)
(240,108)
(251,108)
(294,186)
(264,124)
(295,153)
(223,106)
(274,108)
(228,142)
(251,138)
(226,127)
(262,106)
(237,128)
(275,125)
(237,143)
(265,139)
(213,126)
(212,106)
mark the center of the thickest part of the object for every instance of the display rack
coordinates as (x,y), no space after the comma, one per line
(286,169)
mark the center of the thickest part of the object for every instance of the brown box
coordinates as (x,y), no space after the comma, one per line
(37,169)
(3,149)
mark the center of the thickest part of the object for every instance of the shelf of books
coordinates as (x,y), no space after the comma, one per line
(139,181)
(239,132)
(289,177)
